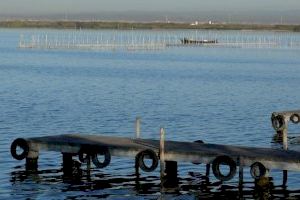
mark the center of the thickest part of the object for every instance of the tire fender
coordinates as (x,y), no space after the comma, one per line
(22,143)
(226,160)
(107,158)
(257,170)
(151,155)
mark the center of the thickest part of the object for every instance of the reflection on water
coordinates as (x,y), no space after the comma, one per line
(82,184)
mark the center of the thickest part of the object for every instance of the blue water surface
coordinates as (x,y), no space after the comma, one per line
(219,95)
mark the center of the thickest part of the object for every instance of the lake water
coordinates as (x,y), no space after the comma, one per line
(219,95)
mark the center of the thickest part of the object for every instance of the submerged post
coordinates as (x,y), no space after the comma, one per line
(138,127)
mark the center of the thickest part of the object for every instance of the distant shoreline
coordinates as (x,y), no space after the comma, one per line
(140,25)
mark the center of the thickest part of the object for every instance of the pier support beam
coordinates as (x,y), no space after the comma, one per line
(241,171)
(32,158)
(67,163)
(170,179)
(207,172)
(162,153)
(31,164)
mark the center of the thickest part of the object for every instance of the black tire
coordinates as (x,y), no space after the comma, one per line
(107,158)
(226,160)
(278,122)
(150,154)
(295,118)
(20,142)
(257,170)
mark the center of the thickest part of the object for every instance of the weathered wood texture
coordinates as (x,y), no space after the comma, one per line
(174,151)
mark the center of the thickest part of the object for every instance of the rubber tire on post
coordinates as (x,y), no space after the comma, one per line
(227,161)
(23,145)
(262,170)
(152,155)
(293,116)
(278,122)
(107,158)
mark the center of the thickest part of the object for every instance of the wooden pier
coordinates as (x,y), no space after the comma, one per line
(87,147)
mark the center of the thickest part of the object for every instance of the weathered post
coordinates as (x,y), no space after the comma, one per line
(67,163)
(285,147)
(162,153)
(280,124)
(32,158)
(241,173)
(138,127)
(168,169)
(207,170)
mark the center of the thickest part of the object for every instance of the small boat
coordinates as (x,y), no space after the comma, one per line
(190,41)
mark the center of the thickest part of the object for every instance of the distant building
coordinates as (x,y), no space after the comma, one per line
(194,23)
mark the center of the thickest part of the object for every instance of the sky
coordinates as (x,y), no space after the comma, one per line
(50,8)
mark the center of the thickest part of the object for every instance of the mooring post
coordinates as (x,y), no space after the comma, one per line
(32,158)
(137,168)
(67,163)
(88,165)
(285,147)
(284,139)
(207,170)
(162,153)
(138,127)
(170,180)
(241,172)
(168,169)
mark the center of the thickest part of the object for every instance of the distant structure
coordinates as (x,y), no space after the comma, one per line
(135,40)
(194,23)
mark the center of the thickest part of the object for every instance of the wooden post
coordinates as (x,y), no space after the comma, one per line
(241,176)
(207,170)
(31,164)
(88,166)
(137,168)
(138,127)
(162,153)
(67,163)
(284,139)
(32,158)
(241,173)
(285,147)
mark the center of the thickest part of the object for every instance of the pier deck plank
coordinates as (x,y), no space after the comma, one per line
(175,151)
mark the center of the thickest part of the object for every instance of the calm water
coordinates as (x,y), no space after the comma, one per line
(219,95)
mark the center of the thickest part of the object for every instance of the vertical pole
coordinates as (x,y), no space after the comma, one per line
(67,164)
(32,158)
(138,127)
(207,170)
(285,147)
(136,166)
(284,139)
(241,174)
(162,153)
(88,164)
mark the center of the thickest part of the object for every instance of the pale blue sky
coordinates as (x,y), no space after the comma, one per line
(269,11)
(75,6)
